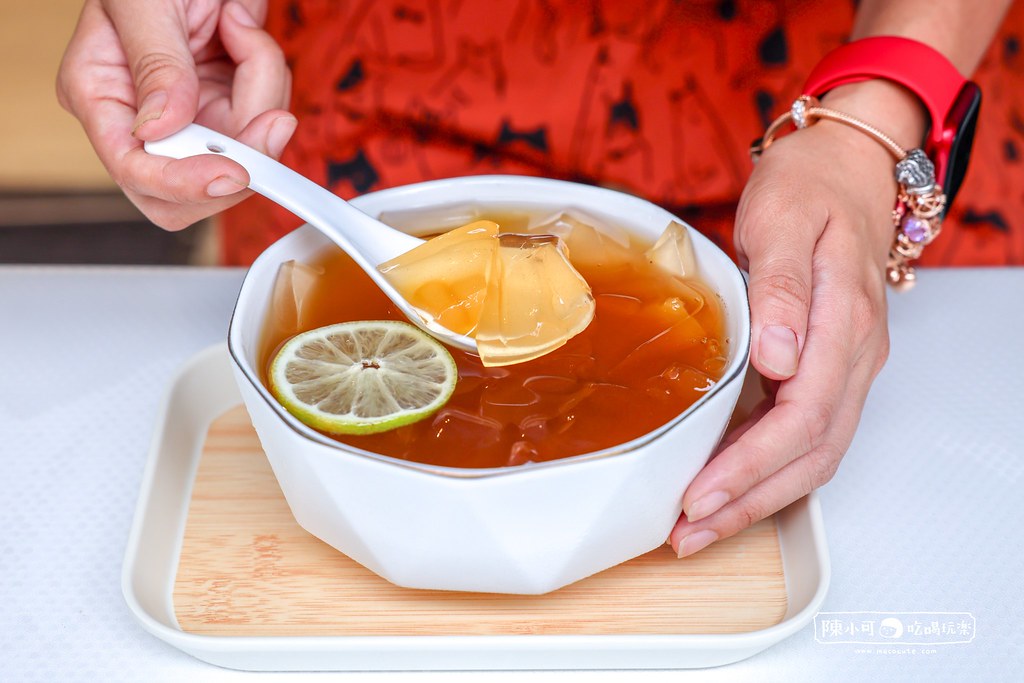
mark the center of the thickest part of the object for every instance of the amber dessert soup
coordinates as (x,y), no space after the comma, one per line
(655,346)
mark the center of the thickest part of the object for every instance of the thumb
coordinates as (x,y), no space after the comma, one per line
(155,41)
(780,257)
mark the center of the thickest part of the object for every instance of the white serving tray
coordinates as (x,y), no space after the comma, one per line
(205,388)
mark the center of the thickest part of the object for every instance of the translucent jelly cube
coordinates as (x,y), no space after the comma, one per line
(678,379)
(517,294)
(289,302)
(446,277)
(432,221)
(657,341)
(673,252)
(521,453)
(590,242)
(472,429)
(508,402)
(535,302)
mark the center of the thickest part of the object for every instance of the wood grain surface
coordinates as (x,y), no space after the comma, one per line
(247,568)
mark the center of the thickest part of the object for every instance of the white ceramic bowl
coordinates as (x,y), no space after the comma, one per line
(528,529)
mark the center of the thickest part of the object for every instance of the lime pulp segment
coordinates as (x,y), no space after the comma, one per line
(362,377)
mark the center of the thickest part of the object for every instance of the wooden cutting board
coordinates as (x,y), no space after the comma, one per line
(247,568)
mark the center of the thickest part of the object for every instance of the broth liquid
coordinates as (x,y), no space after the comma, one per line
(656,345)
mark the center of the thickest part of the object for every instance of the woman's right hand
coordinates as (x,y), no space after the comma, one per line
(140,71)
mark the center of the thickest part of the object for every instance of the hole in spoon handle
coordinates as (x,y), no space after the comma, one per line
(192,140)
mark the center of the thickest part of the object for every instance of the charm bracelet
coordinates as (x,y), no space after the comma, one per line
(920,202)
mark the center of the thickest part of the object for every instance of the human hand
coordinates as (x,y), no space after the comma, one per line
(813,227)
(140,71)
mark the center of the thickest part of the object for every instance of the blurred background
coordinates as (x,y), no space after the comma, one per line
(57,203)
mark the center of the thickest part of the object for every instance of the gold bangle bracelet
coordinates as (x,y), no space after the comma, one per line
(920,202)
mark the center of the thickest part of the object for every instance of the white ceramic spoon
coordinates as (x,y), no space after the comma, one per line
(368,241)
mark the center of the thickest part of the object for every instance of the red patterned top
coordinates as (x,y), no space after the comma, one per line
(658,98)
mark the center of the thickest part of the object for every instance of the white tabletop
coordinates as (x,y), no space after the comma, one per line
(923,516)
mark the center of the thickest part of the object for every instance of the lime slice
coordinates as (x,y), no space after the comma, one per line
(362,377)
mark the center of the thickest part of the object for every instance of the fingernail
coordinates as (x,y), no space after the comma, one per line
(240,14)
(152,108)
(280,133)
(697,541)
(777,350)
(223,186)
(702,507)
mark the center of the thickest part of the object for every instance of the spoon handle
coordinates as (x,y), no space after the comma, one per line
(368,241)
(365,239)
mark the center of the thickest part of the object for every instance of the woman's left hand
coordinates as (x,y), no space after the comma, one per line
(814,227)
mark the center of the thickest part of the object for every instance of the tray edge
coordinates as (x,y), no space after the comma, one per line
(802,562)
